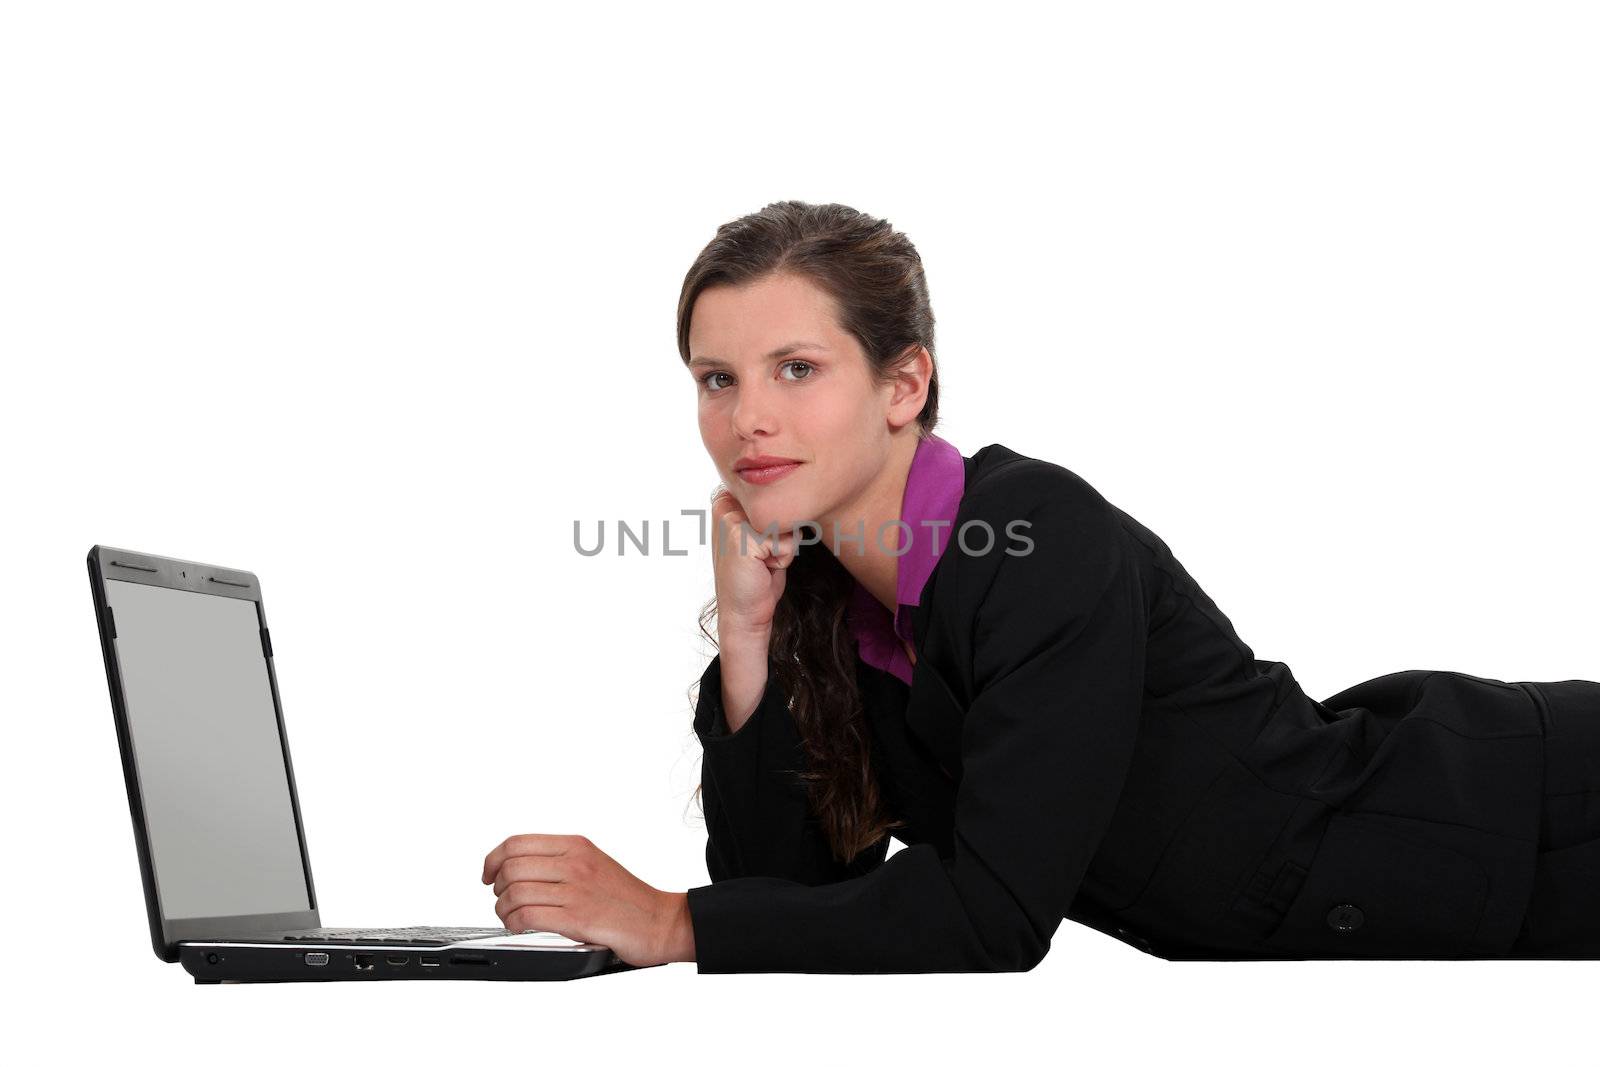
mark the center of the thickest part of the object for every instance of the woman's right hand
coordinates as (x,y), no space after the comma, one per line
(751,571)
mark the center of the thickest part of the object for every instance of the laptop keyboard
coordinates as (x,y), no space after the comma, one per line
(416,935)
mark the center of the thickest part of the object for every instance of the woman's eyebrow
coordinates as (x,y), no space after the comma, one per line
(777,353)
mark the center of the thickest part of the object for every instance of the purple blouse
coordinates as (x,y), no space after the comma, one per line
(933,491)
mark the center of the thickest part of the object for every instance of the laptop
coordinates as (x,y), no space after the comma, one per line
(216,819)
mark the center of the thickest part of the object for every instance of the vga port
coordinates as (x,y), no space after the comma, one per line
(316,959)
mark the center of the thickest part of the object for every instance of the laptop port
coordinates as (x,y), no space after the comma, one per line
(316,959)
(429,961)
(364,962)
(463,960)
(397,961)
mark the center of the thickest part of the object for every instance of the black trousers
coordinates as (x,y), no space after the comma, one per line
(1563,920)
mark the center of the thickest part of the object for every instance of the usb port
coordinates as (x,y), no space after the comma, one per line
(429,961)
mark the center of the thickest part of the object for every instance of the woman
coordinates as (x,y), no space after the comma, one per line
(983,656)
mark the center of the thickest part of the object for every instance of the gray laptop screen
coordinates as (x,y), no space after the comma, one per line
(210,757)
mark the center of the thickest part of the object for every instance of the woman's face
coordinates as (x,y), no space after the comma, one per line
(776,376)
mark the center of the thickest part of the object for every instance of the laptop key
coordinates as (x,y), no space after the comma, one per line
(432,935)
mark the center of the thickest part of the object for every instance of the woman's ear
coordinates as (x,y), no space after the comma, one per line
(909,388)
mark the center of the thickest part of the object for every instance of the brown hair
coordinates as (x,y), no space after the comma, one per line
(875,279)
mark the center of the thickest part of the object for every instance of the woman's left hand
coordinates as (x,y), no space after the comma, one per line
(564,884)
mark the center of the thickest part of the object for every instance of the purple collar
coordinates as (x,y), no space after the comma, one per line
(933,492)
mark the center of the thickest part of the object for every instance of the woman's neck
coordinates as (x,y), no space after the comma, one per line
(869,561)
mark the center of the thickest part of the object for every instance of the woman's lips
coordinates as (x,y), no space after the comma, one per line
(766,475)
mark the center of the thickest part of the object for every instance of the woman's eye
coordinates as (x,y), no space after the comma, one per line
(707,378)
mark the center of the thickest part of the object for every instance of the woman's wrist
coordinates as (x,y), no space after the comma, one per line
(739,639)
(744,674)
(678,935)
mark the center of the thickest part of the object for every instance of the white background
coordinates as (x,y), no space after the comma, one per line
(377,299)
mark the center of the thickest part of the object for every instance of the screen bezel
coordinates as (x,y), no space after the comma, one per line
(115,564)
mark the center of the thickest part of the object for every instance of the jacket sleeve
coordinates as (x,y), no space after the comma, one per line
(757,819)
(1047,740)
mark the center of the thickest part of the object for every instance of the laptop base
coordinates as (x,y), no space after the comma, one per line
(215,962)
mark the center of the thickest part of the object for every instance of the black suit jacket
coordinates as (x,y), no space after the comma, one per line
(1086,737)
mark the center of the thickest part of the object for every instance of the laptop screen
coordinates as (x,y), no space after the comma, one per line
(209,753)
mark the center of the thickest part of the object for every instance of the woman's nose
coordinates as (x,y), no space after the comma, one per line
(752,414)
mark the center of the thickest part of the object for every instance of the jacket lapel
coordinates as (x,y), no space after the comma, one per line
(935,710)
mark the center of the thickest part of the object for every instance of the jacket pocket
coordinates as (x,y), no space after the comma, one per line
(1378,888)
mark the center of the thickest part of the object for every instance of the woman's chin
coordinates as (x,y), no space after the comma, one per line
(764,518)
